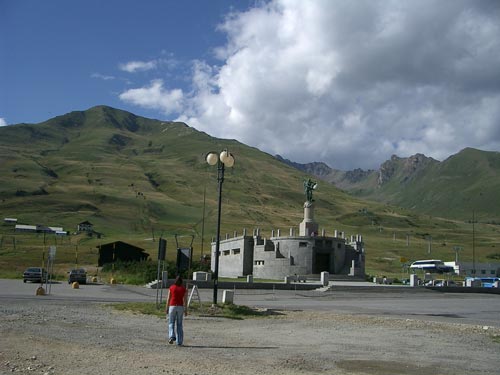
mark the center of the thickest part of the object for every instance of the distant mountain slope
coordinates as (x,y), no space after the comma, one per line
(125,172)
(135,178)
(465,182)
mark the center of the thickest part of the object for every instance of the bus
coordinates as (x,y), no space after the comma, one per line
(431,265)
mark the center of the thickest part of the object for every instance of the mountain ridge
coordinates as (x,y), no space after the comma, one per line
(136,178)
(412,182)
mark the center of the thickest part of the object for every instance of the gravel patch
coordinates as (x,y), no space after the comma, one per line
(61,337)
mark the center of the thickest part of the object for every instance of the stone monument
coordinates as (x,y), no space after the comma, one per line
(308,227)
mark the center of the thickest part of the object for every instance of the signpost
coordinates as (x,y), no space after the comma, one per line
(50,268)
(162,251)
(457,249)
(184,255)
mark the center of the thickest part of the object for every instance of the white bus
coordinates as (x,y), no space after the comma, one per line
(431,265)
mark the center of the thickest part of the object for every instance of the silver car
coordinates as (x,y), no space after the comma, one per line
(35,275)
(79,275)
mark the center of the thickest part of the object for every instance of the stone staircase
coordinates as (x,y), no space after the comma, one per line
(153,284)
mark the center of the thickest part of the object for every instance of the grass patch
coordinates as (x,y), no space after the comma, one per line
(495,338)
(145,308)
(229,311)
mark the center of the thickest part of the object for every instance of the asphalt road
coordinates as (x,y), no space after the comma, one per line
(390,301)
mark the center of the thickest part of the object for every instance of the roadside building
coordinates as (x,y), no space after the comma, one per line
(25,228)
(85,226)
(120,251)
(279,256)
(307,252)
(481,269)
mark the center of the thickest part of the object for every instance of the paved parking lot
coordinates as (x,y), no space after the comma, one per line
(353,298)
(350,330)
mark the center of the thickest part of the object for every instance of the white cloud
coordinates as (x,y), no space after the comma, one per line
(349,83)
(155,96)
(3,122)
(102,76)
(138,66)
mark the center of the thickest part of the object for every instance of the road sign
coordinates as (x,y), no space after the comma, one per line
(52,252)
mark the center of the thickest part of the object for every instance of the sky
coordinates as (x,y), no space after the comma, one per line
(348,83)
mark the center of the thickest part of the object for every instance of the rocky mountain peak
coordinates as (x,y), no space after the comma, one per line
(406,168)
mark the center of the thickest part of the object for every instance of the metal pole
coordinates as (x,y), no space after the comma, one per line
(203,220)
(220,180)
(473,245)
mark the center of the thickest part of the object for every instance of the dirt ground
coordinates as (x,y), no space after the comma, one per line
(55,337)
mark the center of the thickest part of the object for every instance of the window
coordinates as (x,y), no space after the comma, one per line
(258,262)
(226,252)
(302,244)
(236,251)
(483,272)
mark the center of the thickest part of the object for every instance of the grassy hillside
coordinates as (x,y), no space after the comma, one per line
(136,179)
(466,182)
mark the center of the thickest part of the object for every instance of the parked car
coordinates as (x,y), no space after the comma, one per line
(489,282)
(445,283)
(79,275)
(35,275)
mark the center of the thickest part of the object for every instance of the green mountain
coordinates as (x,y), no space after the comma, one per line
(455,188)
(127,173)
(135,179)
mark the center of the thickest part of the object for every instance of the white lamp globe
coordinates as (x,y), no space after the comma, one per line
(227,158)
(212,158)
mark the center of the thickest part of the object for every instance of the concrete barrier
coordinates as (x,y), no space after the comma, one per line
(414,280)
(228,297)
(325,278)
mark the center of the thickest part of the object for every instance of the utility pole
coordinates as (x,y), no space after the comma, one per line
(473,245)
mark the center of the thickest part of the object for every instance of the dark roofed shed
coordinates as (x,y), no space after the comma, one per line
(122,251)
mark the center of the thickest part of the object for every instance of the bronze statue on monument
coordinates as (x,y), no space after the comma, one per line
(309,186)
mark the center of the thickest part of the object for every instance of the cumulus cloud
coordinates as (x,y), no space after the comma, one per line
(349,83)
(138,66)
(155,96)
(3,122)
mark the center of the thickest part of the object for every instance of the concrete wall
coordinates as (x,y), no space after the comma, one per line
(278,256)
(236,257)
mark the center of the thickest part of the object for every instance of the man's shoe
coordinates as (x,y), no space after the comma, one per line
(171,340)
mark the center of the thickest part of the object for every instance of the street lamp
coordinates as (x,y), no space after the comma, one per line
(224,159)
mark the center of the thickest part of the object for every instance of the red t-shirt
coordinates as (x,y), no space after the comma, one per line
(177,293)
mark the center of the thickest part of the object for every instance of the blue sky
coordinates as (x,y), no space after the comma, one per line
(58,55)
(345,82)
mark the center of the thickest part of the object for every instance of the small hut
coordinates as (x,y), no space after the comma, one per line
(118,250)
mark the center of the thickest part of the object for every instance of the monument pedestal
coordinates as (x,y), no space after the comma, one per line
(308,227)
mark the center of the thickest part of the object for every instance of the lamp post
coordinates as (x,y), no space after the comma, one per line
(224,159)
